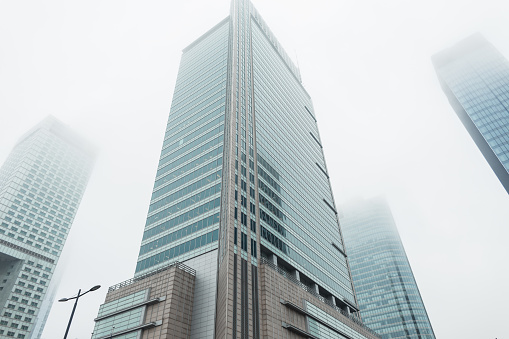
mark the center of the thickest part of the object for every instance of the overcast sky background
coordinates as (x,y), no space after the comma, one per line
(107,69)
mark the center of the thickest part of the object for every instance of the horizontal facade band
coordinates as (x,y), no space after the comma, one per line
(133,329)
(24,250)
(132,307)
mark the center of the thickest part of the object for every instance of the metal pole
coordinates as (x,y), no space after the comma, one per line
(72,314)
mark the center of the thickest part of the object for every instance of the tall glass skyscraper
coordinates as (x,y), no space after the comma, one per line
(475,78)
(41,185)
(389,300)
(242,196)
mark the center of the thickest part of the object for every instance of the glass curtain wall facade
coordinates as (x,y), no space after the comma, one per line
(475,78)
(183,215)
(41,186)
(242,176)
(297,213)
(183,219)
(388,296)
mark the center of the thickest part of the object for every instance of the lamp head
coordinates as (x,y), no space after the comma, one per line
(96,287)
(63,299)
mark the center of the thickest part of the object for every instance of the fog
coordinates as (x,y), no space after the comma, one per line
(107,69)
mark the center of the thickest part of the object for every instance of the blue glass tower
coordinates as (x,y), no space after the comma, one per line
(475,78)
(389,300)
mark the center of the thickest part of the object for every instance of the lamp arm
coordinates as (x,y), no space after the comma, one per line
(78,296)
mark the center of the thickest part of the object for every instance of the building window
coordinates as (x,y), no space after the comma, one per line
(243,240)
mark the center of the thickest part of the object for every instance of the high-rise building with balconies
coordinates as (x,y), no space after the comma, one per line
(41,186)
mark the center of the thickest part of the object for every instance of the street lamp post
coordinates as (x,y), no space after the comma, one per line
(75,304)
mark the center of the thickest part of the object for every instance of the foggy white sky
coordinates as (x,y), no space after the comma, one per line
(108,68)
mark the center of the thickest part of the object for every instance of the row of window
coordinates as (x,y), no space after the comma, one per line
(72,169)
(69,192)
(208,206)
(174,236)
(59,219)
(186,147)
(202,117)
(33,236)
(185,179)
(53,196)
(23,249)
(193,106)
(216,73)
(23,301)
(317,240)
(176,251)
(200,94)
(195,62)
(17,316)
(62,225)
(185,191)
(177,138)
(196,162)
(12,334)
(184,204)
(205,147)
(210,102)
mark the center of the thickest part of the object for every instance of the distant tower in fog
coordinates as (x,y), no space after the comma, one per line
(475,78)
(387,293)
(41,185)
